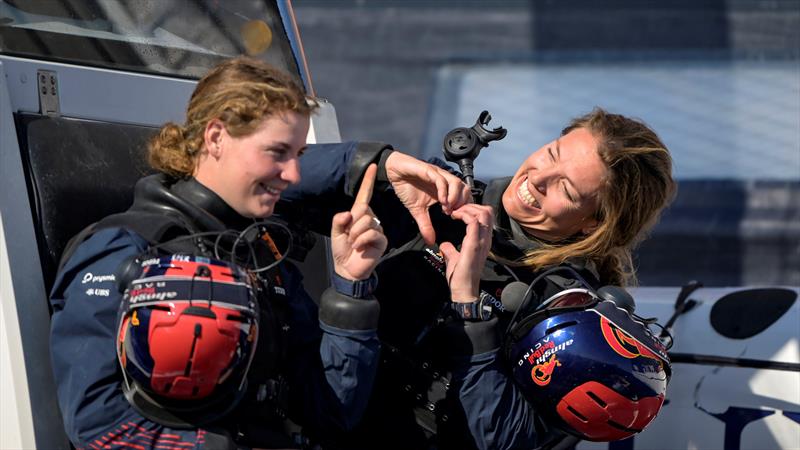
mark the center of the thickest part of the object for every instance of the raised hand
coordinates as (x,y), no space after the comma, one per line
(357,240)
(419,185)
(464,267)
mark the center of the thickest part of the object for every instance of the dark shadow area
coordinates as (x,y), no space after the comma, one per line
(77,172)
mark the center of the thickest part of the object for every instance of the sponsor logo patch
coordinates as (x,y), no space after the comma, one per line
(92,292)
(543,350)
(541,374)
(150,293)
(623,343)
(89,277)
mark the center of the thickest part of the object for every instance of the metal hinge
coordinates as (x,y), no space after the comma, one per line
(47,84)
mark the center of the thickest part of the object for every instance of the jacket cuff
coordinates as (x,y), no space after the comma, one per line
(365,154)
(472,338)
(348,313)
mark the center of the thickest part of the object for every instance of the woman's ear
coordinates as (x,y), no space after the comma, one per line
(590,226)
(213,137)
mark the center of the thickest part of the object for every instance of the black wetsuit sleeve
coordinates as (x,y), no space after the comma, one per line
(331,174)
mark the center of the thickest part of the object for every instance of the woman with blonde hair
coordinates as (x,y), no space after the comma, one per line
(179,324)
(568,218)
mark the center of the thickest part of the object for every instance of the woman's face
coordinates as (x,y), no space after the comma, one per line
(250,172)
(554,193)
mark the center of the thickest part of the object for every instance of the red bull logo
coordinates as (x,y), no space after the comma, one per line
(542,373)
(539,352)
(542,351)
(622,342)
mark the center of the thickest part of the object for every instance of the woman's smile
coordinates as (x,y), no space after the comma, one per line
(526,197)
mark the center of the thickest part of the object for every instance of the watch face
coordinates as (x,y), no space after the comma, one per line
(477,310)
(470,310)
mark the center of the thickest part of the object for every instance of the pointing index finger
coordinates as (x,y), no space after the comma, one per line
(365,190)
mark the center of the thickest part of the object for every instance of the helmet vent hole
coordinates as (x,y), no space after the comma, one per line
(623,427)
(167,388)
(560,326)
(597,399)
(577,414)
(159,307)
(202,271)
(236,318)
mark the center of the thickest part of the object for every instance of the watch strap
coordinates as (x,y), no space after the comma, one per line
(478,310)
(355,288)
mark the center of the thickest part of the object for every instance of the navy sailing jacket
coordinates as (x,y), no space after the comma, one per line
(330,369)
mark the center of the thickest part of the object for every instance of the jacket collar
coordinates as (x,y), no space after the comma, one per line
(190,199)
(207,200)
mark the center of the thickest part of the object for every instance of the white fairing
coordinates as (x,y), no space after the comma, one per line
(28,408)
(699,395)
(324,126)
(16,429)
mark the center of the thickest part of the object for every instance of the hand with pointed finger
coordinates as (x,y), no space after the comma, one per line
(419,185)
(464,267)
(357,239)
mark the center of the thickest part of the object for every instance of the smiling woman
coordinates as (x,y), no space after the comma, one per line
(455,357)
(610,176)
(246,127)
(554,192)
(191,287)
(250,172)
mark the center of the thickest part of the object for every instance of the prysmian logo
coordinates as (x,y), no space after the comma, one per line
(89,277)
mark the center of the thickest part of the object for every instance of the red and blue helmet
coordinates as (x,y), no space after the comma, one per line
(188,329)
(588,365)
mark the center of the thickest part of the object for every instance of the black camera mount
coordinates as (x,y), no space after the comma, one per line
(462,145)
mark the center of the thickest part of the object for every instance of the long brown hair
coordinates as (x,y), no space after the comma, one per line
(239,92)
(637,187)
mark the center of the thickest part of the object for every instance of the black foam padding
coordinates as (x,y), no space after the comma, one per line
(78,171)
(746,313)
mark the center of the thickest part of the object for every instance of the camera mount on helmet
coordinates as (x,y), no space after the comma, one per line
(462,145)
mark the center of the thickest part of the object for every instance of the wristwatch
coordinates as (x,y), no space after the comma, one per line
(355,288)
(479,310)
